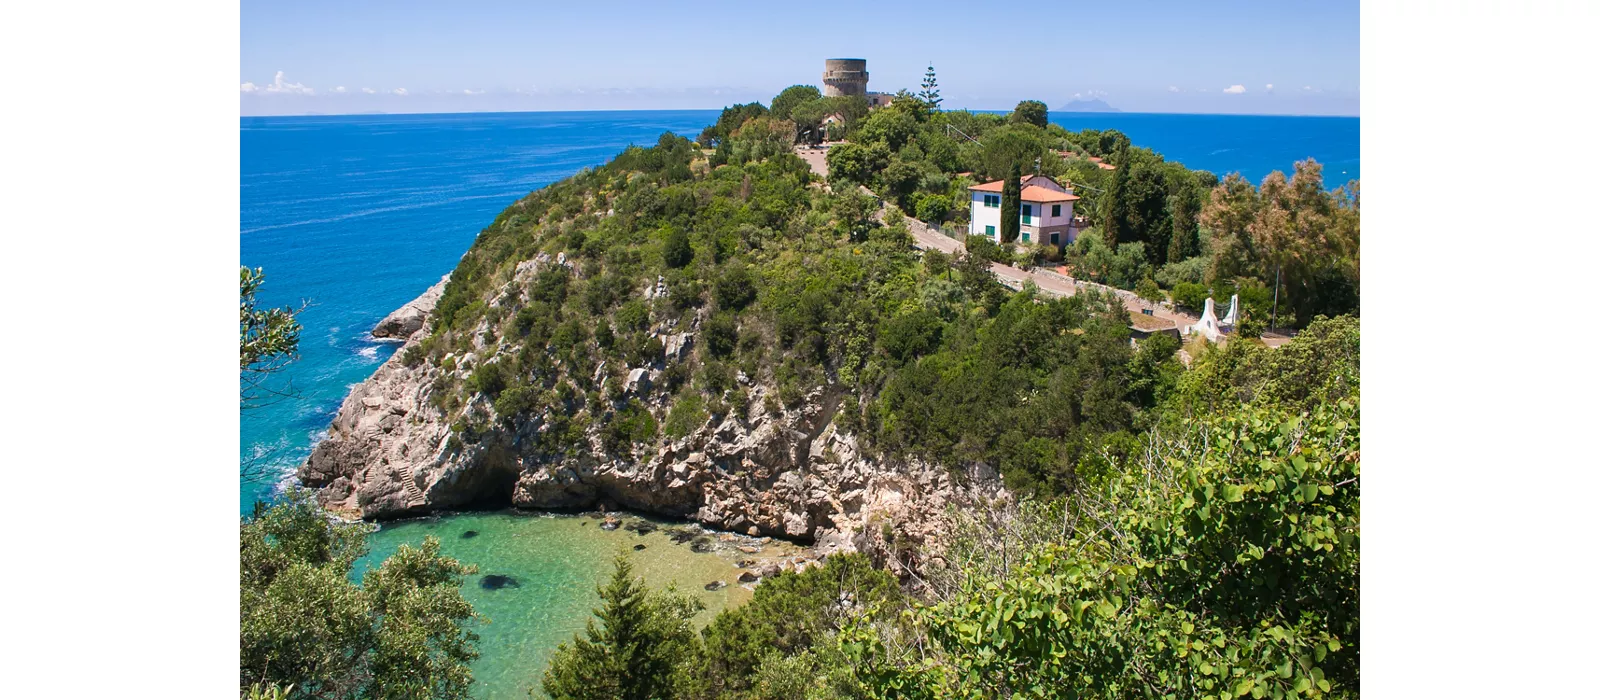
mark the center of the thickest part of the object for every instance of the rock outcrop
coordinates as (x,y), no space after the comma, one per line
(790,473)
(409,319)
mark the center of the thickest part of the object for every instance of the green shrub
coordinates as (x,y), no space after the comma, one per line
(736,288)
(1149,291)
(489,378)
(721,334)
(688,414)
(1190,296)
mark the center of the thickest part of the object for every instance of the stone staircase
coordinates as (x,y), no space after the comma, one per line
(408,480)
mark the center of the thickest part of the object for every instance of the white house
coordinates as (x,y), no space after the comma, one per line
(1046,211)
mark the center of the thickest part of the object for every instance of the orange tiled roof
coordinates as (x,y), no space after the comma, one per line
(1035,193)
(1030,193)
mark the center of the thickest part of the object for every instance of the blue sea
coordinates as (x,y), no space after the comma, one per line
(357,215)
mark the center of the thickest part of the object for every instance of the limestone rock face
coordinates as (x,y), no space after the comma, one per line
(791,473)
(408,319)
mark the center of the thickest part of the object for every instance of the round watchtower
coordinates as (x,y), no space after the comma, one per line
(844,76)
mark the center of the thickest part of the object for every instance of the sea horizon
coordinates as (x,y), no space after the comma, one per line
(719,109)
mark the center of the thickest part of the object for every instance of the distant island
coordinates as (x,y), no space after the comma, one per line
(1088,106)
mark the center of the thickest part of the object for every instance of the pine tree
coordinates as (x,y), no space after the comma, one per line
(930,89)
(1011,206)
(633,652)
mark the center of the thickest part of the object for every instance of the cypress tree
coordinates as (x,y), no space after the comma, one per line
(1113,210)
(1011,206)
(1185,241)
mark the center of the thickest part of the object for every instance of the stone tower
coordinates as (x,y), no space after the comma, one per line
(844,76)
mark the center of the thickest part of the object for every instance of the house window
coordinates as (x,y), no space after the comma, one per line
(1027,213)
(1055,239)
(988,231)
(1055,210)
(991,200)
(1024,236)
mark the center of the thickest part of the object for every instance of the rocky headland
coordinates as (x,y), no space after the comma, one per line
(790,473)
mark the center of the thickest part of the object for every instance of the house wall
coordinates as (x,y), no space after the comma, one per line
(1038,230)
(983,216)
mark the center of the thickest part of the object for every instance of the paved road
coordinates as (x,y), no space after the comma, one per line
(1049,282)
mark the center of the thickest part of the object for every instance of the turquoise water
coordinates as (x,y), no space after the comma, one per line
(556,562)
(360,214)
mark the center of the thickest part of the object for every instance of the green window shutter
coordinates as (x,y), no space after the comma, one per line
(1055,210)
(1024,236)
(988,231)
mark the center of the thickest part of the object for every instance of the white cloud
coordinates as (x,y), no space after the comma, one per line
(339,89)
(1234,89)
(401,92)
(280,86)
(1089,95)
(1173,88)
(1269,87)
(248,87)
(369,91)
(470,91)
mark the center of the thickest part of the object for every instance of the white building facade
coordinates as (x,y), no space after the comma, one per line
(1046,211)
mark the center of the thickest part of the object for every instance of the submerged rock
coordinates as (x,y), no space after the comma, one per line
(716,585)
(469,534)
(680,535)
(643,527)
(748,577)
(638,548)
(702,544)
(495,582)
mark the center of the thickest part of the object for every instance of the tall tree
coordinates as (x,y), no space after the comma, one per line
(1114,205)
(1185,242)
(1011,205)
(930,89)
(1031,112)
(634,651)
(791,97)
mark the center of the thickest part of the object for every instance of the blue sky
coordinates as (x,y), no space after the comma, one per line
(1283,57)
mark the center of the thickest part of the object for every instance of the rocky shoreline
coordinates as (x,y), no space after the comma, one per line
(791,474)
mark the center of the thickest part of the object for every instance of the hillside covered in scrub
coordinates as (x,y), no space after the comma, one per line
(710,331)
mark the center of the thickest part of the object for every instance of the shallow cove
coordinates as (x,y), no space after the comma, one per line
(557,560)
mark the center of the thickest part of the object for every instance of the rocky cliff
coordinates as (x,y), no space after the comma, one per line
(791,473)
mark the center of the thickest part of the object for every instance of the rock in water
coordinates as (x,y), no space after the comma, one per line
(748,577)
(410,318)
(638,548)
(701,545)
(469,534)
(495,582)
(610,524)
(716,585)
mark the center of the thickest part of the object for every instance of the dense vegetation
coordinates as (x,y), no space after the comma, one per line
(1218,558)
(1184,532)
(306,630)
(789,284)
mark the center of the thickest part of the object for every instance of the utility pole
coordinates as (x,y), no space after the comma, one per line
(1276,277)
